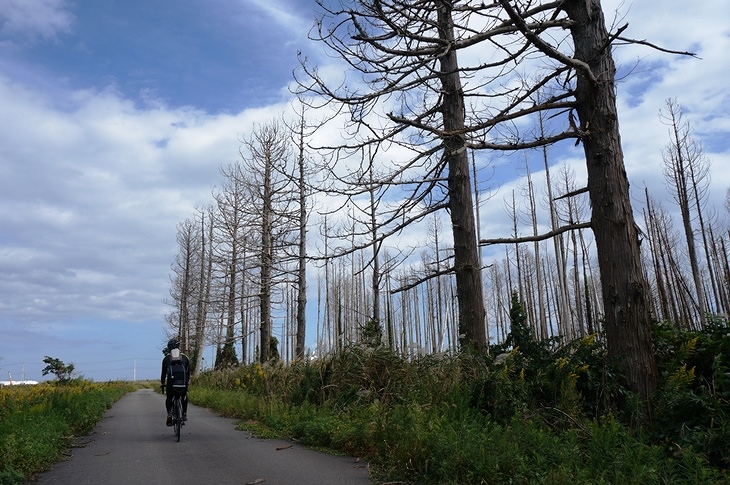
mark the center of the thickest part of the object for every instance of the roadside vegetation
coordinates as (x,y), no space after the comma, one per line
(530,412)
(39,422)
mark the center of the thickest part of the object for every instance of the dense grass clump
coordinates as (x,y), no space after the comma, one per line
(693,404)
(37,422)
(529,412)
(431,426)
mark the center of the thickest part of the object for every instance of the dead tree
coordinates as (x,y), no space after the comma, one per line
(686,171)
(408,59)
(404,47)
(273,210)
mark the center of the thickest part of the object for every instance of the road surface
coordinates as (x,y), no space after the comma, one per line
(131,445)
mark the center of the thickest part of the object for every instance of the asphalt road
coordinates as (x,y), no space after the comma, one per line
(131,444)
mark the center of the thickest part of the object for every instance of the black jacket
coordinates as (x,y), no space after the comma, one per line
(166,364)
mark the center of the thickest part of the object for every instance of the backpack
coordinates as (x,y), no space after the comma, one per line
(177,373)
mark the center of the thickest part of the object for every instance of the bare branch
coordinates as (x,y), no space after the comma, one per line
(572,193)
(419,281)
(656,47)
(540,237)
(543,46)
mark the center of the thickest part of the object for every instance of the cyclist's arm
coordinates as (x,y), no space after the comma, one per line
(187,373)
(163,375)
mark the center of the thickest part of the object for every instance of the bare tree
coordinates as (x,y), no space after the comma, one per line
(267,161)
(407,53)
(183,282)
(230,202)
(438,172)
(300,133)
(191,286)
(204,288)
(627,301)
(655,253)
(678,301)
(539,308)
(561,289)
(687,173)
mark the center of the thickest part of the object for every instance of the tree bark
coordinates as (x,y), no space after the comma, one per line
(466,262)
(625,290)
(302,258)
(204,286)
(266,262)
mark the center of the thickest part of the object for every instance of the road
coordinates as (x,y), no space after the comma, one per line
(131,444)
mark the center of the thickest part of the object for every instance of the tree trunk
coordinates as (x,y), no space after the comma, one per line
(266,261)
(625,290)
(206,272)
(466,255)
(302,260)
(541,322)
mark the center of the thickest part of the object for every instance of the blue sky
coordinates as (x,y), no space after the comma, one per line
(115,116)
(222,56)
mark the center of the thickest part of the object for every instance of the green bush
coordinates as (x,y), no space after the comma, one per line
(525,375)
(36,422)
(528,412)
(693,401)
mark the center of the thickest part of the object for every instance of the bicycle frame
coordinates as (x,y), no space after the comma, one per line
(177,416)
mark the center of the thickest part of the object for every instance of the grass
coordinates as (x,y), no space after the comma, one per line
(458,419)
(540,416)
(37,423)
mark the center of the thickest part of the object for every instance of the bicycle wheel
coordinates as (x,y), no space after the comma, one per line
(177,416)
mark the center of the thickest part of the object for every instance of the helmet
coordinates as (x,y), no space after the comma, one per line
(173,344)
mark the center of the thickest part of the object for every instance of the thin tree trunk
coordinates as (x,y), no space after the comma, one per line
(301,316)
(206,276)
(540,307)
(266,263)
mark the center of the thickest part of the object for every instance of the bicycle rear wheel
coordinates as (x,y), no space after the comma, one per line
(177,416)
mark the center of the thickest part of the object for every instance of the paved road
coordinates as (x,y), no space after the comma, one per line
(131,444)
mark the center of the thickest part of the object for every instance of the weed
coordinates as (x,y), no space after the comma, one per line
(36,422)
(528,412)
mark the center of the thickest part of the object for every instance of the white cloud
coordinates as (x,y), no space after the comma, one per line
(283,13)
(35,18)
(92,196)
(94,185)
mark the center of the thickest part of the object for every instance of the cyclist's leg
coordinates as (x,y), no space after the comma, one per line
(168,403)
(177,421)
(168,399)
(184,399)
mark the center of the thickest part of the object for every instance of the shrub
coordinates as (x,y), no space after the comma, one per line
(36,422)
(693,401)
(543,412)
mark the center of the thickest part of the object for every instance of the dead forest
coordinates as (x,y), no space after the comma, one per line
(223,270)
(381,237)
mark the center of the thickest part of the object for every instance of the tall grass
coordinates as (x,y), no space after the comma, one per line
(37,422)
(541,414)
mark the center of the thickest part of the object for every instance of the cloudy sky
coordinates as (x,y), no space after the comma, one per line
(115,116)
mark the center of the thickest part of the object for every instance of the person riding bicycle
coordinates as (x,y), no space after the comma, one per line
(174,360)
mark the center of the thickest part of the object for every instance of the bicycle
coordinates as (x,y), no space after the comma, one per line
(177,415)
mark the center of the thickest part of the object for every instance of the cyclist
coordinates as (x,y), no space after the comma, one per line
(171,358)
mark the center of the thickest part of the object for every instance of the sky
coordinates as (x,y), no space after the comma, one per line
(115,117)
